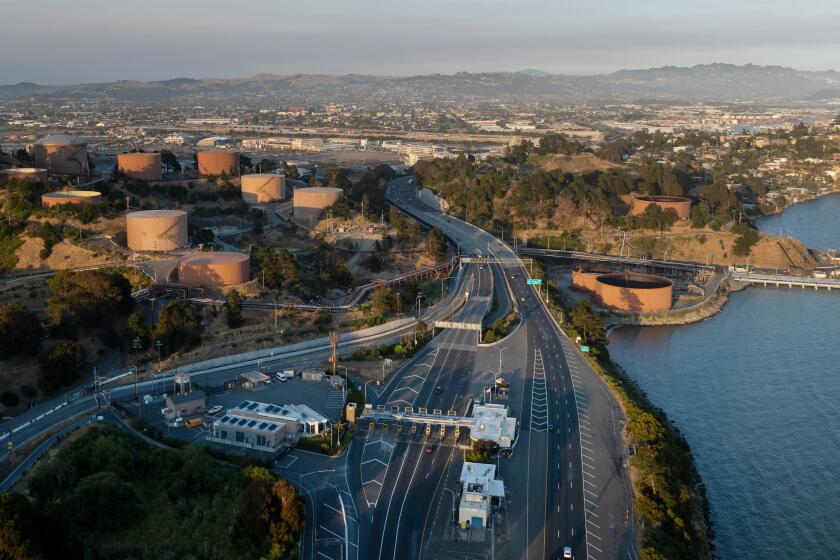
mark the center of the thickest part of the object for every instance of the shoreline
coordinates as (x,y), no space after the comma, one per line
(780,211)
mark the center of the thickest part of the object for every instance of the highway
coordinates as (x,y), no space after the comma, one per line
(565,482)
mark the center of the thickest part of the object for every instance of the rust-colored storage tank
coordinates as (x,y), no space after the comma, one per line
(224,268)
(61,154)
(213,162)
(587,278)
(76,198)
(22,173)
(156,230)
(679,204)
(263,187)
(140,165)
(311,201)
(638,293)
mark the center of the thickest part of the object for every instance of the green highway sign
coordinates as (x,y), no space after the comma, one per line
(534,281)
(584,348)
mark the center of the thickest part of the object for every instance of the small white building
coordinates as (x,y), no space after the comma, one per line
(491,423)
(479,488)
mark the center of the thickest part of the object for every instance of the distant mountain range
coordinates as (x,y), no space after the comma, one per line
(705,82)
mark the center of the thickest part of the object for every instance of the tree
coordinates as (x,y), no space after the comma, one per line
(19,528)
(20,330)
(168,159)
(233,309)
(140,331)
(700,215)
(290,171)
(587,321)
(437,244)
(179,327)
(88,297)
(382,301)
(64,362)
(265,165)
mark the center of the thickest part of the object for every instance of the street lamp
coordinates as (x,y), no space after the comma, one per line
(452,515)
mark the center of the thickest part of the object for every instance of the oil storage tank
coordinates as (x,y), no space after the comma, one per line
(634,292)
(223,268)
(23,174)
(586,278)
(61,154)
(679,204)
(263,187)
(156,230)
(140,165)
(309,202)
(213,162)
(76,198)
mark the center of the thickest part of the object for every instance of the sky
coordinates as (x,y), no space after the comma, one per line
(64,41)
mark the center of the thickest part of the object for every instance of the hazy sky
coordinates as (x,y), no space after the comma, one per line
(71,41)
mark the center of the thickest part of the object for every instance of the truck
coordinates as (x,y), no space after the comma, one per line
(194,422)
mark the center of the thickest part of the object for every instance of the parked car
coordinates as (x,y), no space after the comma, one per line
(214,409)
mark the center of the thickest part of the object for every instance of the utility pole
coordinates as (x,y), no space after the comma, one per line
(158,344)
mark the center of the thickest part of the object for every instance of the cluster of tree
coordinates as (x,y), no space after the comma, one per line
(233,309)
(654,217)
(48,233)
(277,269)
(747,238)
(553,143)
(587,322)
(88,297)
(480,452)
(20,330)
(179,327)
(500,328)
(107,495)
(368,194)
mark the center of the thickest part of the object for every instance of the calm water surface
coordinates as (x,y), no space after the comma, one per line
(815,222)
(756,391)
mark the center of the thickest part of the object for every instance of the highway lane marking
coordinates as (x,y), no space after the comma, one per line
(584,447)
(592,513)
(593,524)
(582,454)
(383,442)
(592,484)
(589,474)
(591,493)
(325,555)
(372,481)
(596,536)
(587,465)
(590,502)
(374,460)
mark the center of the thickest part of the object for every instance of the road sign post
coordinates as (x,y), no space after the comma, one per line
(535,281)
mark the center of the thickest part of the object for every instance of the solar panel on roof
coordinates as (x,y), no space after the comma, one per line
(272,427)
(253,406)
(263,425)
(243,421)
(252,423)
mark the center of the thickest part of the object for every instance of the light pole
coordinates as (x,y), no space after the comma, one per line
(346,381)
(158,344)
(366,384)
(419,296)
(452,514)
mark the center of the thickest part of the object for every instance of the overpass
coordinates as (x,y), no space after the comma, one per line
(600,258)
(780,280)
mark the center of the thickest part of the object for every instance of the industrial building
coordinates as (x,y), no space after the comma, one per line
(184,401)
(223,268)
(679,204)
(61,154)
(634,292)
(156,230)
(140,165)
(214,162)
(22,174)
(479,490)
(263,187)
(264,427)
(310,202)
(75,198)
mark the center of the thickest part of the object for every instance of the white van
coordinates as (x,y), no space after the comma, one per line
(281,377)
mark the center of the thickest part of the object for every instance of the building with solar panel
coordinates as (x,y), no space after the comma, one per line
(266,427)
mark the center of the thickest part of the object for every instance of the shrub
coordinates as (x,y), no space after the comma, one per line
(10,399)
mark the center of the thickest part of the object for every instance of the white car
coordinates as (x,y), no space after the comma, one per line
(214,409)
(567,552)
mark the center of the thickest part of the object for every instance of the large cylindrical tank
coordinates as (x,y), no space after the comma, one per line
(213,162)
(679,204)
(156,230)
(263,187)
(61,154)
(22,173)
(214,269)
(76,198)
(587,278)
(637,293)
(310,202)
(140,165)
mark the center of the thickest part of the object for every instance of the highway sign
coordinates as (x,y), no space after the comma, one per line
(534,281)
(584,348)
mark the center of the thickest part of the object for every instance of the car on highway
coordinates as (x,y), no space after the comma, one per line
(430,448)
(438,390)
(214,409)
(567,552)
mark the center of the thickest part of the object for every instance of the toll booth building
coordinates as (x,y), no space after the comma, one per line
(184,404)
(479,491)
(264,426)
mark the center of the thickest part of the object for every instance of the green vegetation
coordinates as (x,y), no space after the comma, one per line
(480,452)
(747,238)
(233,309)
(20,330)
(63,363)
(106,495)
(179,327)
(89,297)
(501,327)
